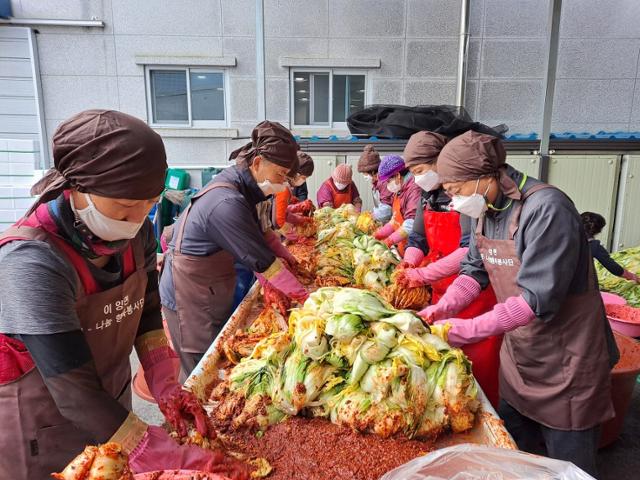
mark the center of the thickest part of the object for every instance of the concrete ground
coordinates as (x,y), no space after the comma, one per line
(619,461)
(148,412)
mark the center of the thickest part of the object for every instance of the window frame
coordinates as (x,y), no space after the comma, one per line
(188,71)
(332,125)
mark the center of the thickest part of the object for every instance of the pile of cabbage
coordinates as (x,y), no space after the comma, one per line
(351,358)
(348,256)
(630,260)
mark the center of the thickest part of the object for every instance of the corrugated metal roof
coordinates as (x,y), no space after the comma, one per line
(602,141)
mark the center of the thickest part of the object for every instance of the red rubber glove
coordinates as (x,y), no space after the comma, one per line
(182,406)
(296,219)
(276,246)
(161,366)
(158,451)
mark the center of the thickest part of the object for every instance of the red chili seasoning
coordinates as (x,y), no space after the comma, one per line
(316,449)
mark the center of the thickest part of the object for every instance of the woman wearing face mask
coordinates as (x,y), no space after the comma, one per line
(283,200)
(79,290)
(220,225)
(558,348)
(443,235)
(368,164)
(339,189)
(406,196)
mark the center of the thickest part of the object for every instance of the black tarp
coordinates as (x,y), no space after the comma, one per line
(399,121)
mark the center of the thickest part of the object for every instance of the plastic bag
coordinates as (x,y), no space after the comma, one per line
(477,462)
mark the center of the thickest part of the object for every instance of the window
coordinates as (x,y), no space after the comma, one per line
(326,98)
(186,97)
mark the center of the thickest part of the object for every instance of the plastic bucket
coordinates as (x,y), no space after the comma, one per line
(179,475)
(139,384)
(623,380)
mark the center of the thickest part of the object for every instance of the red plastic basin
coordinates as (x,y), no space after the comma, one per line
(139,384)
(623,380)
(179,475)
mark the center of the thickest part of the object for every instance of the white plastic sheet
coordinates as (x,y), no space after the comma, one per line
(476,462)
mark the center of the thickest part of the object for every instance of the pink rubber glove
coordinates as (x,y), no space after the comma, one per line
(513,313)
(632,277)
(158,451)
(443,268)
(413,256)
(384,231)
(276,246)
(458,296)
(396,237)
(284,280)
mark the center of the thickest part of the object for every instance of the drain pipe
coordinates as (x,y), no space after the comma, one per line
(260,66)
(463,53)
(553,36)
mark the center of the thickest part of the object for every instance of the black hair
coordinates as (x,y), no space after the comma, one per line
(593,223)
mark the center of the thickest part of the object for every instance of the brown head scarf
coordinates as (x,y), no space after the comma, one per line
(305,164)
(105,152)
(473,155)
(271,141)
(369,161)
(423,147)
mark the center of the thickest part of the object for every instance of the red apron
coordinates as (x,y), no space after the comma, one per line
(35,438)
(442,230)
(554,372)
(398,220)
(340,198)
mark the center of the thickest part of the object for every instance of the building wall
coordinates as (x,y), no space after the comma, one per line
(415,41)
(18,104)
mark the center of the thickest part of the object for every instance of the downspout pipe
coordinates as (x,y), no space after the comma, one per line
(463,53)
(260,63)
(553,38)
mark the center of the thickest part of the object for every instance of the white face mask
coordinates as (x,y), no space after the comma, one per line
(269,188)
(368,178)
(394,186)
(105,227)
(340,186)
(427,181)
(473,205)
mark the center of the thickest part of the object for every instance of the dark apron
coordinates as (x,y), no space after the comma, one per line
(554,372)
(35,439)
(204,288)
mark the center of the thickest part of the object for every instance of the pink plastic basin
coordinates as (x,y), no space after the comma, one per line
(612,299)
(624,319)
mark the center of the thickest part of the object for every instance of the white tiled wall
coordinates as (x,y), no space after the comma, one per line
(17,173)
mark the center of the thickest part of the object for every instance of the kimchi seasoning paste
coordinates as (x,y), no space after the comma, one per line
(315,449)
